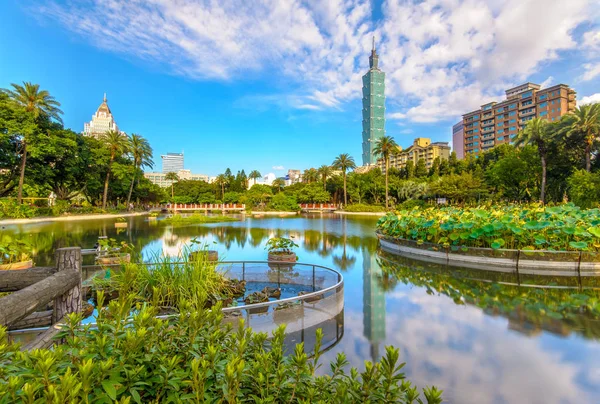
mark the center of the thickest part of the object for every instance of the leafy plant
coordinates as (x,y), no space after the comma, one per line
(195,357)
(12,251)
(527,227)
(110,247)
(197,218)
(280,245)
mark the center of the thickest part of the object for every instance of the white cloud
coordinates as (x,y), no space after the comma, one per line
(590,99)
(442,57)
(278,168)
(591,71)
(548,82)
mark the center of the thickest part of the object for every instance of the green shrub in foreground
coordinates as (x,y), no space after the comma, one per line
(361,207)
(194,358)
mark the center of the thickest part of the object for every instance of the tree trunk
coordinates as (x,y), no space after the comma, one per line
(387,170)
(22,175)
(543,187)
(131,187)
(345,194)
(106,184)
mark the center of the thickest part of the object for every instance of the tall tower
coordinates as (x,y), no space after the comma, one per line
(373,107)
(102,121)
(373,304)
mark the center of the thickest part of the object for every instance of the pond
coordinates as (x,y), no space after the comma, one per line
(482,352)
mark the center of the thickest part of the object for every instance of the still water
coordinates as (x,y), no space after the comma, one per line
(475,355)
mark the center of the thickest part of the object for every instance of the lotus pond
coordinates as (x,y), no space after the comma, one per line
(531,227)
(474,335)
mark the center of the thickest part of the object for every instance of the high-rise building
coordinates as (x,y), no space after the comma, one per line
(498,123)
(160,178)
(373,107)
(458,140)
(102,121)
(373,304)
(172,162)
(422,148)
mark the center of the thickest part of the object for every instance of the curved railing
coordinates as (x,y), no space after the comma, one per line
(527,262)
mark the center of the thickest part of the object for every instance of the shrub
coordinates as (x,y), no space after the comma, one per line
(283,203)
(584,189)
(10,208)
(413,203)
(194,357)
(362,207)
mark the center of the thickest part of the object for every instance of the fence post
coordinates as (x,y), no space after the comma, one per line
(68,259)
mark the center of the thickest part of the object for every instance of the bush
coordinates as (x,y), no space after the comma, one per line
(11,209)
(584,189)
(195,358)
(411,204)
(283,203)
(362,207)
(232,197)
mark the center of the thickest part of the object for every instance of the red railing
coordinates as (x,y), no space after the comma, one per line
(318,206)
(204,206)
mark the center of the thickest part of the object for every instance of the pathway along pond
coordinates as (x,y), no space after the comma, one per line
(482,352)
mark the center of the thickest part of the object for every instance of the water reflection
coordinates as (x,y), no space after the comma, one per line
(477,353)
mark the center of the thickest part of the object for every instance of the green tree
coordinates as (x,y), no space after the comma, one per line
(173,177)
(117,144)
(254,175)
(141,152)
(40,105)
(435,167)
(313,193)
(421,169)
(409,169)
(459,187)
(325,172)
(385,147)
(278,184)
(310,175)
(344,162)
(584,122)
(540,133)
(221,181)
(584,189)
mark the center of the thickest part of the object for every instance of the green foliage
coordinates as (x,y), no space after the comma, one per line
(194,357)
(313,193)
(13,250)
(584,189)
(232,197)
(10,208)
(283,203)
(557,228)
(411,204)
(361,207)
(197,218)
(280,245)
(463,187)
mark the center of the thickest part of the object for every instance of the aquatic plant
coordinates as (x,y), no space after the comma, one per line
(280,245)
(527,227)
(192,358)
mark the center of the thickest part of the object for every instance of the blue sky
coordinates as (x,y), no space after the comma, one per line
(278,84)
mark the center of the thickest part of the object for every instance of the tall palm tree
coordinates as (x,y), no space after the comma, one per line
(254,175)
(222,180)
(173,177)
(537,132)
(40,105)
(325,172)
(585,120)
(310,175)
(141,151)
(117,144)
(385,147)
(278,183)
(344,162)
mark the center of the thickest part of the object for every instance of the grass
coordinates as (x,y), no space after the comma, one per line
(197,218)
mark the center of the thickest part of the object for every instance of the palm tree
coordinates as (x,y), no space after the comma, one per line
(173,177)
(537,132)
(585,120)
(325,172)
(310,175)
(254,175)
(141,151)
(278,183)
(385,147)
(117,144)
(222,180)
(39,104)
(344,162)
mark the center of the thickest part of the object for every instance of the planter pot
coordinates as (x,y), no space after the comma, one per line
(121,258)
(279,257)
(213,255)
(17,265)
(120,225)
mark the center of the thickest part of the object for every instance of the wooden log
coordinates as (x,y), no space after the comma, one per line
(68,260)
(11,281)
(44,340)
(34,320)
(22,303)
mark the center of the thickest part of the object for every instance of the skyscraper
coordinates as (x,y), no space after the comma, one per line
(373,303)
(102,121)
(172,162)
(373,107)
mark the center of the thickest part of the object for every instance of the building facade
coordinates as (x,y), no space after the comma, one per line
(102,121)
(172,162)
(498,123)
(458,140)
(373,110)
(159,178)
(422,148)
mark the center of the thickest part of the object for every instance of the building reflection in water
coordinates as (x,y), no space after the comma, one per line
(373,303)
